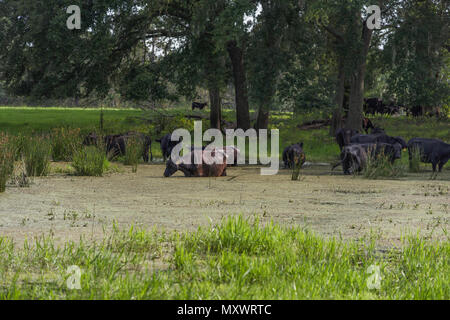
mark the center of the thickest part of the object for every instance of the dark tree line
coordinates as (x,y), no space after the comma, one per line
(298,53)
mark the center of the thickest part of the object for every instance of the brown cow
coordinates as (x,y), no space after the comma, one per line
(207,168)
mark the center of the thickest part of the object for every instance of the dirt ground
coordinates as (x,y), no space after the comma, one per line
(329,204)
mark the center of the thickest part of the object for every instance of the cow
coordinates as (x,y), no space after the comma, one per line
(198,105)
(207,168)
(146,142)
(367,124)
(433,151)
(294,156)
(354,157)
(343,137)
(377,130)
(91,139)
(373,106)
(378,138)
(115,145)
(232,153)
(167,145)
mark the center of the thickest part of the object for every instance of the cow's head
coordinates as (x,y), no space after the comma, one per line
(398,151)
(171,168)
(401,142)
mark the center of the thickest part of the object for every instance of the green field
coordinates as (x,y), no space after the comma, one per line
(319,145)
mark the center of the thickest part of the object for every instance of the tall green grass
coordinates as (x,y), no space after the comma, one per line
(65,142)
(415,160)
(36,154)
(236,259)
(380,166)
(7,157)
(90,161)
(133,154)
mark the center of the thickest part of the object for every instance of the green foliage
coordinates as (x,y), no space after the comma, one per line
(90,161)
(415,57)
(65,142)
(36,155)
(7,156)
(134,150)
(415,160)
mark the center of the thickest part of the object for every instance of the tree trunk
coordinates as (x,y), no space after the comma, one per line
(336,122)
(240,85)
(216,107)
(262,122)
(355,115)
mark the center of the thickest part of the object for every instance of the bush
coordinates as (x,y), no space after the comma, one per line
(134,149)
(90,161)
(36,154)
(7,155)
(381,167)
(65,142)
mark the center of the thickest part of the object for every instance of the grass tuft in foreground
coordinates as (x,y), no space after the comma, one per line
(237,259)
(90,161)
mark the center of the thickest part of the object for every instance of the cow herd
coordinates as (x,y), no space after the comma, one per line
(378,106)
(356,150)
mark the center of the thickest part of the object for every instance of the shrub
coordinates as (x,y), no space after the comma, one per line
(36,154)
(7,156)
(65,142)
(380,167)
(90,161)
(134,149)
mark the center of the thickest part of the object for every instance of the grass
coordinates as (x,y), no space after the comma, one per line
(134,149)
(90,161)
(65,142)
(237,259)
(381,167)
(7,157)
(414,162)
(36,154)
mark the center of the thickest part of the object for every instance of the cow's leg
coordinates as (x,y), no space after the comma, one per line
(224,173)
(434,166)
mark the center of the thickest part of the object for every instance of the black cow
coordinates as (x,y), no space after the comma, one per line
(432,151)
(367,124)
(377,130)
(373,106)
(146,142)
(167,145)
(354,157)
(198,105)
(116,144)
(343,137)
(378,138)
(294,156)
